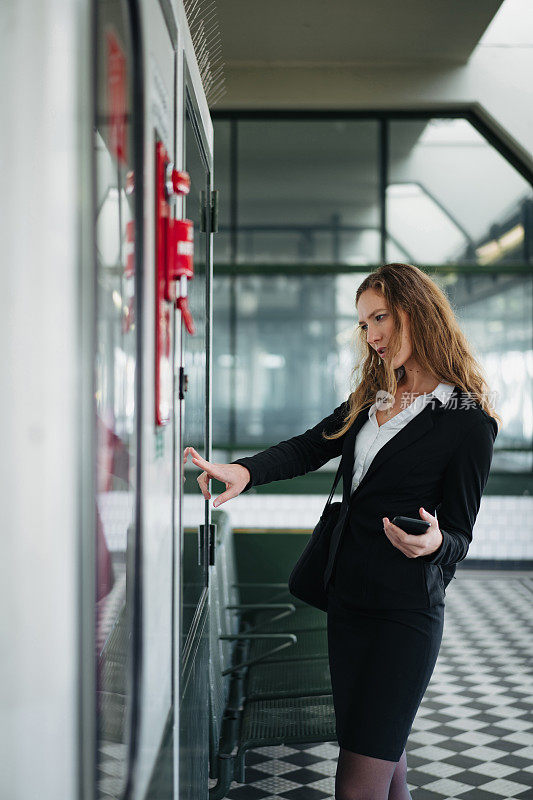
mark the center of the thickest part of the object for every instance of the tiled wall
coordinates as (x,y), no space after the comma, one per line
(503,529)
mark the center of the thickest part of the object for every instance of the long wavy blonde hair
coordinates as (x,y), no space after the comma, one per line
(438,343)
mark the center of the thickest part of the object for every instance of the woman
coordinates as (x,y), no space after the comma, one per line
(417,433)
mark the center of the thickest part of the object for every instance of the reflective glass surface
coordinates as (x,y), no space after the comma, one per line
(115,399)
(496,314)
(223,361)
(222,242)
(294,342)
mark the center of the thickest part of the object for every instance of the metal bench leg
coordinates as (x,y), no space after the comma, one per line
(239,767)
(225,776)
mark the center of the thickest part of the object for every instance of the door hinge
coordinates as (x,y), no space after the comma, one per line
(210,209)
(214,211)
(212,543)
(201,545)
(183,381)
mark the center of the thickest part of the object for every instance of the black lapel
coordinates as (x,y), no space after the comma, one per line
(421,424)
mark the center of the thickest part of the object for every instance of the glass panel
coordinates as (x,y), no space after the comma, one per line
(194,569)
(223,365)
(116,348)
(295,353)
(222,240)
(294,342)
(496,314)
(452,198)
(308,191)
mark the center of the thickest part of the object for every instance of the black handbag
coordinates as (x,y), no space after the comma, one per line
(306,581)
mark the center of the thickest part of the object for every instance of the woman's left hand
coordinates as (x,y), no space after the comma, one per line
(413,545)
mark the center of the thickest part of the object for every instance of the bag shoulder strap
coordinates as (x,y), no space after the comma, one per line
(335,482)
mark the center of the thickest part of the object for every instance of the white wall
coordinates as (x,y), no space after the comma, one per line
(45,496)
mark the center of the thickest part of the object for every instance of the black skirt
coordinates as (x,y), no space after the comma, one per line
(381,662)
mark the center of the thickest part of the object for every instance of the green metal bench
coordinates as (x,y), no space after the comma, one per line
(304,619)
(267,699)
(238,723)
(256,618)
(273,592)
(310,645)
(301,679)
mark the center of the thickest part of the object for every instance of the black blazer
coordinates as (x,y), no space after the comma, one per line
(440,460)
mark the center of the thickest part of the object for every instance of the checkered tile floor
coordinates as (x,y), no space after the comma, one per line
(473,735)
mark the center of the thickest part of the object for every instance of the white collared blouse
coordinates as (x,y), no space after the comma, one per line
(372,436)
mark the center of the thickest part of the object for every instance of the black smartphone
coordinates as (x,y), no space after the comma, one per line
(411,525)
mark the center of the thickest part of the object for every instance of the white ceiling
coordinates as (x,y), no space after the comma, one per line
(352,31)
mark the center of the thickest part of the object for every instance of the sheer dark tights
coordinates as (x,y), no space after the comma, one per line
(364,778)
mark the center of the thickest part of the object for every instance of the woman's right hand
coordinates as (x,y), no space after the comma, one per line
(235,476)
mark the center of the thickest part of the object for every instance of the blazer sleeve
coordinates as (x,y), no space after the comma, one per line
(464,480)
(292,457)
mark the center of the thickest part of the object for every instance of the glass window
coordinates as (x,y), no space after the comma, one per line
(452,197)
(294,353)
(307,191)
(223,363)
(496,314)
(222,240)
